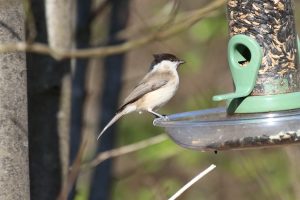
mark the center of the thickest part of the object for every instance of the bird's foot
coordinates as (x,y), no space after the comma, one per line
(157,115)
(164,117)
(160,117)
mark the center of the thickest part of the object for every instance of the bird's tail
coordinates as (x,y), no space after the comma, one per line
(119,114)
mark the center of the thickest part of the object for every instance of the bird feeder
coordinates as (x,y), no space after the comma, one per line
(264,109)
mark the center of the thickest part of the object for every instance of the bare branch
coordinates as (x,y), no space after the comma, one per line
(159,20)
(161,34)
(77,167)
(124,150)
(99,10)
(191,182)
(73,173)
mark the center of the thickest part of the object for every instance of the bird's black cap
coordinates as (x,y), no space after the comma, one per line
(164,56)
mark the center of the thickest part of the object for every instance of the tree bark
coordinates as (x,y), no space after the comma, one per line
(79,76)
(113,70)
(45,77)
(59,23)
(14,179)
(60,19)
(82,37)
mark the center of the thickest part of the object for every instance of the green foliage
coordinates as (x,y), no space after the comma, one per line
(190,158)
(157,154)
(144,193)
(136,127)
(194,61)
(171,185)
(82,193)
(201,101)
(208,29)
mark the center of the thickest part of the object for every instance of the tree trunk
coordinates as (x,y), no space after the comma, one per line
(14,179)
(82,38)
(60,19)
(113,66)
(79,76)
(45,77)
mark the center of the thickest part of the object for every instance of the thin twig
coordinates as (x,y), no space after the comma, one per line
(191,182)
(183,25)
(99,10)
(148,25)
(124,150)
(76,166)
(73,172)
(190,20)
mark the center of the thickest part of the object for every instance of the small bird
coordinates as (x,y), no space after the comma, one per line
(155,89)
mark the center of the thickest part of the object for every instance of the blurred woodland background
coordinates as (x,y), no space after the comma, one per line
(72,94)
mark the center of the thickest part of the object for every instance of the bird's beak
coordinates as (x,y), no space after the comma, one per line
(181,62)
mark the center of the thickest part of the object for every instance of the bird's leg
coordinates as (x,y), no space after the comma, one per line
(157,114)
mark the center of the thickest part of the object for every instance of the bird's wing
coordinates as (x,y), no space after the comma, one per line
(148,84)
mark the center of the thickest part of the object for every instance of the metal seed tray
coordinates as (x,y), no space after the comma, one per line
(214,129)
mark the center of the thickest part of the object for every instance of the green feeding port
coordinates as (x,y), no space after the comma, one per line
(245,56)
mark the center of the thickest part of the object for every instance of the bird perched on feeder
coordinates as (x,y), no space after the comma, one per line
(155,89)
